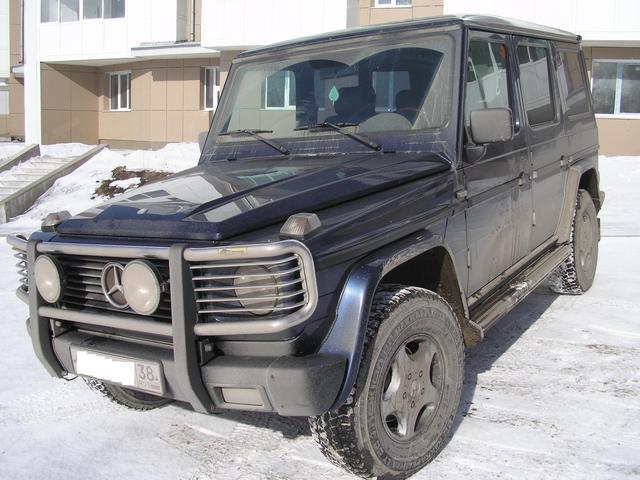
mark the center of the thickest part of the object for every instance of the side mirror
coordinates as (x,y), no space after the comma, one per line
(491,125)
(202,138)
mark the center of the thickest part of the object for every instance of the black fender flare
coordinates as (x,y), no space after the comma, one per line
(347,334)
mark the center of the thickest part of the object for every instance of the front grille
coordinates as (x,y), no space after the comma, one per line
(22,268)
(83,289)
(274,286)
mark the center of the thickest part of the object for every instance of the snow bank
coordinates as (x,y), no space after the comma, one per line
(619,179)
(74,192)
(9,148)
(64,150)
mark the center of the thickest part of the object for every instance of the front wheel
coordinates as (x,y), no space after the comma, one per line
(407,391)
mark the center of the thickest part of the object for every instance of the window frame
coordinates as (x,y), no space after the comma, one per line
(119,75)
(618,93)
(585,80)
(394,4)
(81,17)
(287,93)
(511,56)
(216,88)
(553,86)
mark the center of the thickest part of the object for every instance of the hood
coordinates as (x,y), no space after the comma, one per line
(219,200)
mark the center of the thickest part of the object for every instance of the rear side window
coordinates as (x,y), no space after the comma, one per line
(572,83)
(487,78)
(536,83)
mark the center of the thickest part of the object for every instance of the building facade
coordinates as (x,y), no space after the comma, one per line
(147,72)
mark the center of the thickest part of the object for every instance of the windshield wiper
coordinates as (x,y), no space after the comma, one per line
(256,134)
(338,128)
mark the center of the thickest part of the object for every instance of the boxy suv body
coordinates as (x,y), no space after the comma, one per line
(367,204)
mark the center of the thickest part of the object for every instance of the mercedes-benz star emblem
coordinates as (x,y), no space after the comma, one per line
(111,281)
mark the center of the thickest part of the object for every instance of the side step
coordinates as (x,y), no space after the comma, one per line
(489,312)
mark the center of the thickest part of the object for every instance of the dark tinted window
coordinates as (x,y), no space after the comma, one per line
(572,86)
(536,84)
(487,79)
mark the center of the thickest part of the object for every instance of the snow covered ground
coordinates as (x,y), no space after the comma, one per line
(553,392)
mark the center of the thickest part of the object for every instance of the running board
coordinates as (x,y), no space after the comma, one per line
(486,315)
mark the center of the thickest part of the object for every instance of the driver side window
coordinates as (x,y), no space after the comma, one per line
(487,77)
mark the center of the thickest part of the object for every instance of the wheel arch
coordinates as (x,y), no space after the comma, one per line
(394,263)
(589,182)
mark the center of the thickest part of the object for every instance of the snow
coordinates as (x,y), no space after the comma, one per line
(9,148)
(552,392)
(74,192)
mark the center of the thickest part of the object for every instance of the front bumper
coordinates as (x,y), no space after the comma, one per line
(288,385)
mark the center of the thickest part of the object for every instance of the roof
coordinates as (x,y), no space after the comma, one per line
(479,22)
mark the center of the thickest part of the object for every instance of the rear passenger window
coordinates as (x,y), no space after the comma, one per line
(572,86)
(536,84)
(487,79)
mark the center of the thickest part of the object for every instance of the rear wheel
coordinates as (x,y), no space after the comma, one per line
(407,391)
(125,396)
(575,275)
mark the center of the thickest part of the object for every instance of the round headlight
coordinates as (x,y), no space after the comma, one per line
(256,289)
(48,275)
(141,287)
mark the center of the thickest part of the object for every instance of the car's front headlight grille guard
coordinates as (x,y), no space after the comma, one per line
(246,289)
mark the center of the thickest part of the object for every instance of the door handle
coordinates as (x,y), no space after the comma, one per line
(462,194)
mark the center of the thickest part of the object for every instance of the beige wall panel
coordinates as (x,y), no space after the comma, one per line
(158,89)
(366,3)
(58,126)
(193,124)
(201,62)
(384,15)
(428,3)
(16,97)
(140,90)
(124,125)
(174,126)
(56,90)
(15,39)
(84,127)
(15,12)
(365,17)
(192,88)
(4,125)
(175,89)
(427,11)
(619,136)
(85,91)
(615,53)
(158,126)
(16,124)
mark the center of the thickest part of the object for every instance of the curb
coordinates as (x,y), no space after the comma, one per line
(23,155)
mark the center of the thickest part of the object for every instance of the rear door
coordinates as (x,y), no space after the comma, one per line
(499,203)
(545,134)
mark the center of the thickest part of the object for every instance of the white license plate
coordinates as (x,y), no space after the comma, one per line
(140,374)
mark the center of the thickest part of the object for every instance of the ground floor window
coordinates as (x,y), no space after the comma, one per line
(120,91)
(616,87)
(393,3)
(280,91)
(211,87)
(4,96)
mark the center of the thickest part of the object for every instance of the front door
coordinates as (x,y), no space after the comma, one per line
(498,190)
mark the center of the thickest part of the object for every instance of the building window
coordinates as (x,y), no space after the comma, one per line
(114,8)
(280,91)
(74,10)
(120,91)
(392,3)
(4,96)
(211,87)
(91,9)
(616,87)
(387,86)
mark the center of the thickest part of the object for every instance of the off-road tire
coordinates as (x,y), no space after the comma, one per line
(352,437)
(124,396)
(575,275)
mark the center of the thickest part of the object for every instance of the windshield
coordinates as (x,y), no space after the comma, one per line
(363,87)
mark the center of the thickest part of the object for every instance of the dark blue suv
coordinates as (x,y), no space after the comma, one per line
(367,204)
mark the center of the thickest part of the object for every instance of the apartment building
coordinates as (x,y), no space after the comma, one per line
(147,72)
